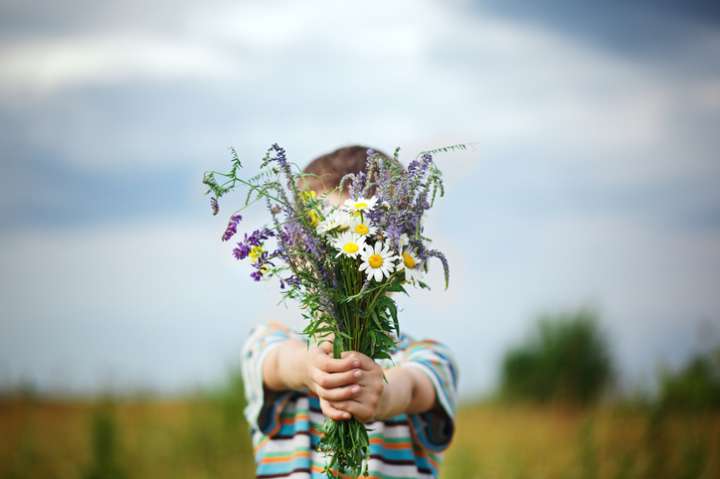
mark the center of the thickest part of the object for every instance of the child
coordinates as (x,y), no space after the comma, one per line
(292,387)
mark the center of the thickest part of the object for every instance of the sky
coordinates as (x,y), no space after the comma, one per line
(592,180)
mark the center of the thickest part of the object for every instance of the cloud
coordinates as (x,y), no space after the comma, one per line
(49,66)
(647,31)
(249,75)
(591,178)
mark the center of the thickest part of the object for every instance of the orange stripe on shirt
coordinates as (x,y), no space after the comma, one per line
(301,416)
(286,457)
(422,453)
(390,445)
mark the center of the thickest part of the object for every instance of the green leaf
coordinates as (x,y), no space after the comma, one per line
(383,355)
(396,287)
(337,347)
(376,319)
(392,307)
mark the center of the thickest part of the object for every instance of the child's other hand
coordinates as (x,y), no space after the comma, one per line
(334,380)
(365,403)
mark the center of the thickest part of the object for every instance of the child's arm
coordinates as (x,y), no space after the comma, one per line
(280,368)
(408,390)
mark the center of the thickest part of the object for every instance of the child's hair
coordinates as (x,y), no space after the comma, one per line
(327,170)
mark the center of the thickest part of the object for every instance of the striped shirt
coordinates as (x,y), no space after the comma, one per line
(286,425)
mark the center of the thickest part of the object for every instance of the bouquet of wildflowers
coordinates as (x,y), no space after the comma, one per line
(340,261)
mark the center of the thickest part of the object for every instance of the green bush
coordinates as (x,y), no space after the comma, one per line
(696,386)
(565,359)
(105,464)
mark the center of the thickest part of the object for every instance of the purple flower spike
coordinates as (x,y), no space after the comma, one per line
(214,206)
(241,251)
(258,236)
(280,155)
(231,227)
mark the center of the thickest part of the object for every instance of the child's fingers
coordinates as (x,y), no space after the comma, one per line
(364,361)
(357,409)
(331,365)
(332,412)
(338,394)
(335,380)
(326,347)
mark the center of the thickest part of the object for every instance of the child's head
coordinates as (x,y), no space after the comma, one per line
(327,170)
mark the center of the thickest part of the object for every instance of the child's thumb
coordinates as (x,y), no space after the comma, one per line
(326,347)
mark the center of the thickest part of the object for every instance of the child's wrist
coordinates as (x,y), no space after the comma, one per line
(396,394)
(384,409)
(290,355)
(302,360)
(299,365)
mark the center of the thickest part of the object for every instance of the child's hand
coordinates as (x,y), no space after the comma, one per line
(333,379)
(350,386)
(365,403)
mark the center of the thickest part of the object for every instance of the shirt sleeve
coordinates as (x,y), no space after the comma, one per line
(434,429)
(263,405)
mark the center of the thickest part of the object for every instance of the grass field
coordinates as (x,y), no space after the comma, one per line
(204,437)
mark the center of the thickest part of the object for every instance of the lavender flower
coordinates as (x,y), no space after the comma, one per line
(241,251)
(255,239)
(280,155)
(393,233)
(358,185)
(433,253)
(281,159)
(231,228)
(214,206)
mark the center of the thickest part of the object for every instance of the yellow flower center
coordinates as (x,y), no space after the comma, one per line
(313,217)
(408,260)
(308,195)
(362,229)
(360,205)
(375,261)
(255,253)
(351,248)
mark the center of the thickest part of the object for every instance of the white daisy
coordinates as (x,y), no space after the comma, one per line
(362,227)
(412,266)
(409,261)
(349,244)
(360,205)
(335,219)
(330,222)
(344,218)
(377,261)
